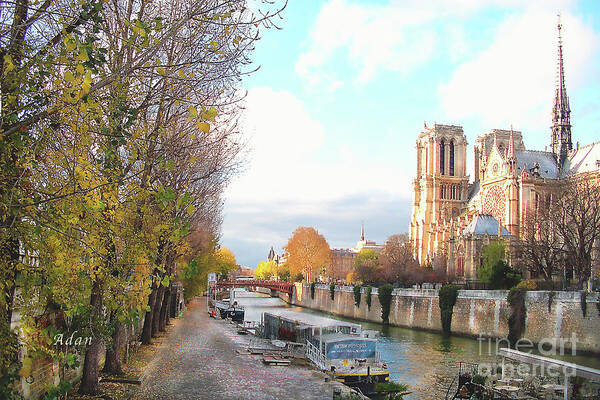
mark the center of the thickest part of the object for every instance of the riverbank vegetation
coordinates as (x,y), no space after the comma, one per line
(357,295)
(118,134)
(447,299)
(385,299)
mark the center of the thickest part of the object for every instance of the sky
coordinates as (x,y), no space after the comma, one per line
(345,86)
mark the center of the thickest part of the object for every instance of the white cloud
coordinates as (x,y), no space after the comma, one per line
(513,80)
(398,36)
(286,162)
(372,37)
(289,182)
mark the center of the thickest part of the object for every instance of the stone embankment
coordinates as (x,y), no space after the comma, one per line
(552,317)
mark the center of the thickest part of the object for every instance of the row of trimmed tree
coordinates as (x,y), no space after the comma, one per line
(118,133)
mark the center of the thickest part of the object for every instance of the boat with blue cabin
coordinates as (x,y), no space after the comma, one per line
(341,349)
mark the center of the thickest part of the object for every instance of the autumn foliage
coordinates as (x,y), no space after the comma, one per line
(308,252)
(118,134)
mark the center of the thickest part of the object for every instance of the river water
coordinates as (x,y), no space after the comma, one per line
(427,362)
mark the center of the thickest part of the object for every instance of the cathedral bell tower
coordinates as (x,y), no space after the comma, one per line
(440,187)
(561,112)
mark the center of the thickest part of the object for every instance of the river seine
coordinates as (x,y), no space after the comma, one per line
(427,362)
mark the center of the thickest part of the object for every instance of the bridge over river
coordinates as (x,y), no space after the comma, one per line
(275,286)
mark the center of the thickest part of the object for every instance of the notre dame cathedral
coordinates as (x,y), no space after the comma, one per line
(453,218)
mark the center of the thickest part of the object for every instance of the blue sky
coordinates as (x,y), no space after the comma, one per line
(345,86)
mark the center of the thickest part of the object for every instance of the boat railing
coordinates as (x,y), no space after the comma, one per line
(316,356)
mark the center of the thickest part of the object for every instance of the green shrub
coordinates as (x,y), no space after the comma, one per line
(368,297)
(447,299)
(502,276)
(357,294)
(9,362)
(479,379)
(332,290)
(58,391)
(385,299)
(516,320)
(551,299)
(391,390)
(491,254)
(312,290)
(583,300)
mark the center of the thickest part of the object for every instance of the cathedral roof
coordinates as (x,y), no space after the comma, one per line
(482,224)
(474,193)
(530,159)
(584,159)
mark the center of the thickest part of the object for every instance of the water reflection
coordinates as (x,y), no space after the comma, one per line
(445,345)
(426,361)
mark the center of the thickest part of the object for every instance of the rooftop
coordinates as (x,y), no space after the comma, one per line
(311,320)
(584,159)
(484,223)
(531,159)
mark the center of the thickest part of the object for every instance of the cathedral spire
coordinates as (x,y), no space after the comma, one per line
(511,144)
(561,112)
(510,154)
(362,232)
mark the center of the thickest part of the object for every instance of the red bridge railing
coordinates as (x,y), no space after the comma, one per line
(284,287)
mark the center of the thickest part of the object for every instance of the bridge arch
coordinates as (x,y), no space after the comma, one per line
(283,287)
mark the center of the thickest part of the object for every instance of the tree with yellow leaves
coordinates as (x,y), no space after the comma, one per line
(117,134)
(225,261)
(265,270)
(308,252)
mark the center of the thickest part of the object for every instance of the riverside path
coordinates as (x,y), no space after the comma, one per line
(198,360)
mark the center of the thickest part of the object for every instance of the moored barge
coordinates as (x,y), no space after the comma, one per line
(339,348)
(234,311)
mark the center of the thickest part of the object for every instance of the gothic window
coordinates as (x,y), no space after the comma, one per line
(460,264)
(442,157)
(452,158)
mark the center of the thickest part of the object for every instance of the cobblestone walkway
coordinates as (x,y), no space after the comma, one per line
(198,360)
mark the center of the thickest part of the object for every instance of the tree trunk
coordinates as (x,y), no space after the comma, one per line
(156,310)
(164,313)
(173,302)
(114,353)
(89,380)
(147,329)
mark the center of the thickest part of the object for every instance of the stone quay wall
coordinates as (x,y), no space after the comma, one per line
(477,313)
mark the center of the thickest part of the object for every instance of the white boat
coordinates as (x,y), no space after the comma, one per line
(336,347)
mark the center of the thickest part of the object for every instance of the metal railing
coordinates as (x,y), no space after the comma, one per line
(316,356)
